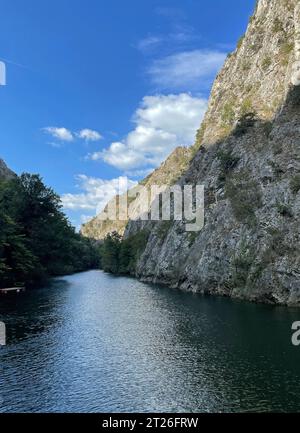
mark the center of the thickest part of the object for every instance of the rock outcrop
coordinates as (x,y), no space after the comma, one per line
(5,172)
(167,174)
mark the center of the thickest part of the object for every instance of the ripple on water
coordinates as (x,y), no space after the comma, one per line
(92,342)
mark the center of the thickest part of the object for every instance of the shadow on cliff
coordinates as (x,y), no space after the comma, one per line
(245,123)
(244,126)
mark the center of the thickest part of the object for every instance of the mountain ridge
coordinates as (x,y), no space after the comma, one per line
(5,172)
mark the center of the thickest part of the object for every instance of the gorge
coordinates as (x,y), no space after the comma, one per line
(138,315)
(247,156)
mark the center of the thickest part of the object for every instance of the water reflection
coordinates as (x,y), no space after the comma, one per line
(92,342)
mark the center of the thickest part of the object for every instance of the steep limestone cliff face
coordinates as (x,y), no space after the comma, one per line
(250,244)
(256,76)
(247,155)
(167,174)
(249,162)
(5,172)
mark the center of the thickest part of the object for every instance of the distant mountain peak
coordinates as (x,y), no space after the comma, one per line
(5,172)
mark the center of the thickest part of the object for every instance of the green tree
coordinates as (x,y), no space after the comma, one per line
(36,239)
(110,253)
(120,256)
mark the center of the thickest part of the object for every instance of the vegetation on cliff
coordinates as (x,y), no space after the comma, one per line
(246,154)
(36,239)
(119,256)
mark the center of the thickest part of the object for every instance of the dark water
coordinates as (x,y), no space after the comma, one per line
(92,342)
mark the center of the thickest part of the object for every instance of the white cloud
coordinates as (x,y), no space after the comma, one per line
(163,122)
(65,135)
(62,134)
(95,193)
(89,135)
(187,69)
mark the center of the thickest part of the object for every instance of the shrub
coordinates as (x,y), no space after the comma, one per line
(228,161)
(256,46)
(285,51)
(278,171)
(242,263)
(240,42)
(277,26)
(284,210)
(246,107)
(199,137)
(268,127)
(288,5)
(163,229)
(192,236)
(245,198)
(295,184)
(228,113)
(245,122)
(287,48)
(277,243)
(266,63)
(246,66)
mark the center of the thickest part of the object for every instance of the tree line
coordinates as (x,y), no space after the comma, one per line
(36,239)
(119,255)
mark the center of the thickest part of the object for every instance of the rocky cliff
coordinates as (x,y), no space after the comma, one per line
(249,246)
(5,172)
(247,155)
(257,75)
(167,174)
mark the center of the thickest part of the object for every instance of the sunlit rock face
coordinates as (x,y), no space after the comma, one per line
(257,75)
(167,174)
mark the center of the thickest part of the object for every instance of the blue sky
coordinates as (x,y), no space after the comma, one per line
(99,89)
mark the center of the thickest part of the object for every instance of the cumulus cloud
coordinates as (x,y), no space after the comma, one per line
(162,122)
(62,134)
(186,69)
(95,193)
(89,135)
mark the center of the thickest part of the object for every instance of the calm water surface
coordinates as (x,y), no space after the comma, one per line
(91,342)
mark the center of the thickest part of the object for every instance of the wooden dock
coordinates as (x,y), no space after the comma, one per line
(12,290)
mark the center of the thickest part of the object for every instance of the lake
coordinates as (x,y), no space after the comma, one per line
(92,342)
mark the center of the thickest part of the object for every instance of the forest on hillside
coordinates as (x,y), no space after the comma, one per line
(36,239)
(119,255)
